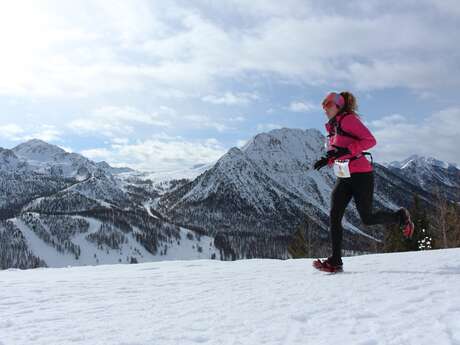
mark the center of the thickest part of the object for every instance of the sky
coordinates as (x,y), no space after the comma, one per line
(164,85)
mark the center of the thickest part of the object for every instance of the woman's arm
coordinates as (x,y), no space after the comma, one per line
(353,125)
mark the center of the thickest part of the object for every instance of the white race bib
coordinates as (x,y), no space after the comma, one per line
(341,168)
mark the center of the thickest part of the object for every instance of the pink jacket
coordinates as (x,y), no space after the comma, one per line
(353,125)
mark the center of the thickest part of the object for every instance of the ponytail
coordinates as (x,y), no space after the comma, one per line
(351,106)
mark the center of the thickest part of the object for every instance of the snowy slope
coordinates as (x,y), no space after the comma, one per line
(168,175)
(400,298)
(158,182)
(187,246)
(9,161)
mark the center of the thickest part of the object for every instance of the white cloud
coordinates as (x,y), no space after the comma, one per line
(301,106)
(47,133)
(437,136)
(181,49)
(84,126)
(11,131)
(99,154)
(414,74)
(120,141)
(241,142)
(237,119)
(158,154)
(230,98)
(131,114)
(203,121)
(114,121)
(388,121)
(66,148)
(265,127)
(15,132)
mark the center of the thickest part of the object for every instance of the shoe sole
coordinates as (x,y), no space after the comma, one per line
(319,266)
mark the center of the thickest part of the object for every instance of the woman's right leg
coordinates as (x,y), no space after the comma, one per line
(341,196)
(363,194)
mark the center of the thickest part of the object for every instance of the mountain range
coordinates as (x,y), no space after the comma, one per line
(59,208)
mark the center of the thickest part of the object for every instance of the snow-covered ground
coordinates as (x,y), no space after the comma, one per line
(400,298)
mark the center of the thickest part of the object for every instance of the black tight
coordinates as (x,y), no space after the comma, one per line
(360,186)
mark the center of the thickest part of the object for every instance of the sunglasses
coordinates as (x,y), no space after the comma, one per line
(328,104)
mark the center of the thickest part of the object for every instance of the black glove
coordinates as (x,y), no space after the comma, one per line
(338,152)
(321,163)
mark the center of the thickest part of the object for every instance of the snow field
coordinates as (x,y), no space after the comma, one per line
(400,298)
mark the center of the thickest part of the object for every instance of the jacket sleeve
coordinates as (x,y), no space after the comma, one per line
(353,125)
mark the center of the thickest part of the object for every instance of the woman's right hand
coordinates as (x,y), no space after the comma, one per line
(321,163)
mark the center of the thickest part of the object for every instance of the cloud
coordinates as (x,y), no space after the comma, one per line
(230,98)
(44,132)
(11,131)
(413,73)
(240,143)
(198,121)
(179,49)
(66,148)
(99,154)
(131,114)
(300,106)
(120,141)
(265,127)
(83,126)
(156,154)
(113,121)
(388,121)
(237,119)
(435,136)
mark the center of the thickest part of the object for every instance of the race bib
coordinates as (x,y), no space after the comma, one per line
(341,168)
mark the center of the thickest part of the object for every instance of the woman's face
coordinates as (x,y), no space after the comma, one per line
(331,109)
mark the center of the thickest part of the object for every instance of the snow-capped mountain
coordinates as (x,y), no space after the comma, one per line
(265,177)
(430,174)
(268,188)
(19,183)
(60,208)
(53,160)
(421,161)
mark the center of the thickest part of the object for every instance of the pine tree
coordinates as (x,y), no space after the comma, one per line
(446,218)
(302,242)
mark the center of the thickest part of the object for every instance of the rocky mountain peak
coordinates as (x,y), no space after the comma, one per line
(37,149)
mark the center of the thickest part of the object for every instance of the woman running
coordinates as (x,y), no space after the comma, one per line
(348,138)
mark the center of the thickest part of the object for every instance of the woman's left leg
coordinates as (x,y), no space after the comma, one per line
(363,194)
